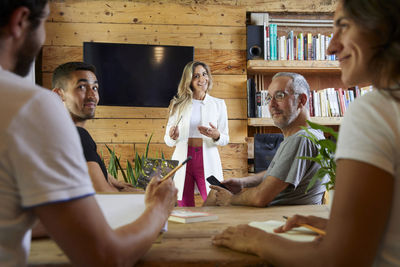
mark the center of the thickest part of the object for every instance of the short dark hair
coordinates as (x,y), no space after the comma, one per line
(380,20)
(36,8)
(62,73)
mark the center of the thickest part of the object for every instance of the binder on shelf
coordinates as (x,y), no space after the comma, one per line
(251,98)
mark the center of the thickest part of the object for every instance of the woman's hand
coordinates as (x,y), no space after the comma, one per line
(211,131)
(296,220)
(174,132)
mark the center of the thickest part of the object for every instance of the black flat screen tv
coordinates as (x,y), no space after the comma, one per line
(137,75)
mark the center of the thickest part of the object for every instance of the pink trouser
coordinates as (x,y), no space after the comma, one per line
(194,173)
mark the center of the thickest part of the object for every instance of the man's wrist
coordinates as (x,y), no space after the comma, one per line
(216,139)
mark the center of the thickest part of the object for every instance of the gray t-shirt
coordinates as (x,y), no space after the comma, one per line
(287,167)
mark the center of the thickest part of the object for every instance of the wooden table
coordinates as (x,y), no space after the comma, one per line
(190,244)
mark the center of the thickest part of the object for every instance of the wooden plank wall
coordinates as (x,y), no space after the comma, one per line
(216,29)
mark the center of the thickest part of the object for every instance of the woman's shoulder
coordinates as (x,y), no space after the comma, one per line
(377,101)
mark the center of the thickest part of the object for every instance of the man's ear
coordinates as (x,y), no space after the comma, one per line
(19,22)
(302,100)
(60,92)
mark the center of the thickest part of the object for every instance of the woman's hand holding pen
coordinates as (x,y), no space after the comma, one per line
(211,132)
(298,220)
(174,132)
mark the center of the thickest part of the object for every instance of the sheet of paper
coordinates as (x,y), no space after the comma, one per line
(300,234)
(121,209)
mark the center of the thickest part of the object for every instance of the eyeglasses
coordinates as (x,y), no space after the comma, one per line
(278,96)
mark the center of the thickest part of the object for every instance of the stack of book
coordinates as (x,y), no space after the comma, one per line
(333,102)
(292,46)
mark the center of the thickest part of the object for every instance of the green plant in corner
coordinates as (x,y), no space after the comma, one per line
(325,157)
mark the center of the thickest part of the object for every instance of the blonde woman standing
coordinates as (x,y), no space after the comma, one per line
(197,124)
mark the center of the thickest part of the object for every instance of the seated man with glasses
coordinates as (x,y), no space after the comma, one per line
(287,177)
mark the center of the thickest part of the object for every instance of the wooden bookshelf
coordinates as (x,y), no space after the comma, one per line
(300,66)
(267,122)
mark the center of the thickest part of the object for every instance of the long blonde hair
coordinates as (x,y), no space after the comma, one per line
(185,93)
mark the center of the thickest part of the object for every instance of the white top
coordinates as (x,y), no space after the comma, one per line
(41,161)
(213,110)
(195,119)
(370,132)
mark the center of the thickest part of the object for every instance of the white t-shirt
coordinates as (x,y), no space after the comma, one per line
(370,132)
(41,161)
(195,119)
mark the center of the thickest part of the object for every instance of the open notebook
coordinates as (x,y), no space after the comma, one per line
(300,234)
(122,208)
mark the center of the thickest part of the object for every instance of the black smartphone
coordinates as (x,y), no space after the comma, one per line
(214,181)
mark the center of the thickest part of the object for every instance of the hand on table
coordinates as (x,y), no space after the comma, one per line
(222,196)
(296,220)
(122,186)
(242,238)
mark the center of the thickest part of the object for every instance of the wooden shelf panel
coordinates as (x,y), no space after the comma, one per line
(329,121)
(308,66)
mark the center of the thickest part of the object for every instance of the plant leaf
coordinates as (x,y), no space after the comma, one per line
(147,146)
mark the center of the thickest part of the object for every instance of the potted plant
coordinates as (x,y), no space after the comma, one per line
(325,157)
(144,168)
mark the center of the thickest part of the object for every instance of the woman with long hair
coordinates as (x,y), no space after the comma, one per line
(363,228)
(197,124)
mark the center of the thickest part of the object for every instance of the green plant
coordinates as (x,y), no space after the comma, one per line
(325,157)
(139,174)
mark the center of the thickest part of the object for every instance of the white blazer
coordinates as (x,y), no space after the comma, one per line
(212,110)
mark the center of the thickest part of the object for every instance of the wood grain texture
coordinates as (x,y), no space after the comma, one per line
(147,12)
(248,5)
(206,37)
(221,61)
(232,155)
(139,130)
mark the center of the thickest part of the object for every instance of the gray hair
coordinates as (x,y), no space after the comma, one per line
(299,84)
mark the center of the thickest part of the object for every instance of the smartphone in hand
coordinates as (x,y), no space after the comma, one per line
(214,181)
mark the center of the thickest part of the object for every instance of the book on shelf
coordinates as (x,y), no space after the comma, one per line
(258,109)
(333,102)
(251,98)
(299,234)
(189,216)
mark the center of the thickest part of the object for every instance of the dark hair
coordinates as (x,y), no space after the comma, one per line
(62,73)
(380,20)
(36,8)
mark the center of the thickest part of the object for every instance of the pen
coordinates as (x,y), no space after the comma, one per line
(174,170)
(312,228)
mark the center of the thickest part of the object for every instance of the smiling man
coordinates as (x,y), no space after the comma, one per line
(286,179)
(76,83)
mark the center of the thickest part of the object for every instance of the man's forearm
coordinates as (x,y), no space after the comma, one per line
(253,180)
(260,195)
